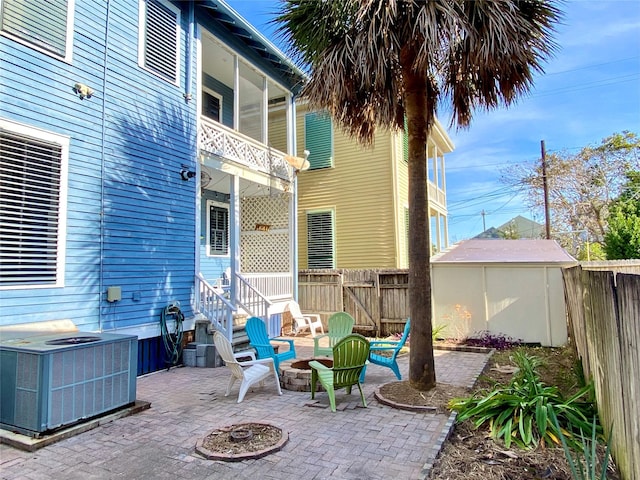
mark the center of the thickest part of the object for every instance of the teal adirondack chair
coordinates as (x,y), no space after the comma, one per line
(259,339)
(340,325)
(391,346)
(349,359)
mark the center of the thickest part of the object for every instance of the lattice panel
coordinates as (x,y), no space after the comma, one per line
(270,210)
(265,251)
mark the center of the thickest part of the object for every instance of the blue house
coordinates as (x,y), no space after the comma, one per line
(146,167)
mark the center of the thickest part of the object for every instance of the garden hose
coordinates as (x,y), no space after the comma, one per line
(172,340)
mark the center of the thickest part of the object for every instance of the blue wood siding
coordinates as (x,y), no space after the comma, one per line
(130,218)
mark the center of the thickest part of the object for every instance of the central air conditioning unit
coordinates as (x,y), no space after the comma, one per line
(53,381)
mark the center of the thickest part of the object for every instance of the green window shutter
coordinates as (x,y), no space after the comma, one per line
(43,24)
(406,233)
(405,142)
(320,251)
(318,139)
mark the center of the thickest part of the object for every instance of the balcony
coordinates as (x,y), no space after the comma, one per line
(437,196)
(228,144)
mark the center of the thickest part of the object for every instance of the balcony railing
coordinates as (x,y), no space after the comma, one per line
(230,144)
(436,195)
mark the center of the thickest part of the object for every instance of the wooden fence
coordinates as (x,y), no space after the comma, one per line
(604,320)
(377,299)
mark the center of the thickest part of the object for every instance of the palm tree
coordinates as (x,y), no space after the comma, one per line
(374,63)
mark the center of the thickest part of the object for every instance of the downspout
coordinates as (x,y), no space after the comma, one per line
(189,79)
(102,166)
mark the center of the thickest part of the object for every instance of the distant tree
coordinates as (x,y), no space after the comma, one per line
(510,232)
(622,239)
(581,187)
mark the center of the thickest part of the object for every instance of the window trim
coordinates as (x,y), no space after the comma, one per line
(68,54)
(332,212)
(63,141)
(142,17)
(214,203)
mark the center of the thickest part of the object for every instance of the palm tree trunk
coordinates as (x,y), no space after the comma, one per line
(422,374)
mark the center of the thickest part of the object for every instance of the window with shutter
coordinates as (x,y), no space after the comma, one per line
(320,240)
(159,42)
(318,139)
(218,228)
(33,190)
(406,234)
(47,26)
(405,142)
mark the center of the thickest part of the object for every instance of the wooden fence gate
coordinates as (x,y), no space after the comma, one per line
(377,299)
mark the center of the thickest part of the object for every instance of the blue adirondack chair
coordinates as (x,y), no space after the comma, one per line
(258,339)
(389,346)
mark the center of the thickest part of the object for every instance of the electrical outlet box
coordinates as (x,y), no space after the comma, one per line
(114,294)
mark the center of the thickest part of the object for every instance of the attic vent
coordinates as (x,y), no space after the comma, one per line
(161,39)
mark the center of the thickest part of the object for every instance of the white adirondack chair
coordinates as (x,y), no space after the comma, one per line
(304,321)
(248,372)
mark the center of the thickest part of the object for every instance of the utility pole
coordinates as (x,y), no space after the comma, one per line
(484,226)
(547,216)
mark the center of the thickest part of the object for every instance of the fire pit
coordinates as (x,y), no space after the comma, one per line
(296,374)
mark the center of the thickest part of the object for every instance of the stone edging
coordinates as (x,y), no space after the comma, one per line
(444,435)
(464,348)
(238,457)
(402,406)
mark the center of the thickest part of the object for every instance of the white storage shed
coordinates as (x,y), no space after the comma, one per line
(509,287)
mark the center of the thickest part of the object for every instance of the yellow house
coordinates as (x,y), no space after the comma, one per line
(353,201)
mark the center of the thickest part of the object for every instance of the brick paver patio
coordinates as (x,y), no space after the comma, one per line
(378,442)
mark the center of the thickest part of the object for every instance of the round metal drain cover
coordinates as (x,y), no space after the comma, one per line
(72,340)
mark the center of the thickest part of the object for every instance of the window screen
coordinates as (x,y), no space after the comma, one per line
(43,24)
(31,173)
(218,230)
(320,238)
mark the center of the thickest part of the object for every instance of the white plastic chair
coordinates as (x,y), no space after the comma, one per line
(249,372)
(304,321)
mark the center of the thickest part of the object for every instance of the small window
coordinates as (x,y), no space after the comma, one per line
(159,41)
(212,105)
(320,240)
(47,26)
(318,139)
(218,228)
(33,172)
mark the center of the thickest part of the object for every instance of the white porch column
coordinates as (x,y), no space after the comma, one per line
(293,201)
(234,231)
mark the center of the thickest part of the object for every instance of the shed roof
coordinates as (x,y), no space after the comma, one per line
(506,251)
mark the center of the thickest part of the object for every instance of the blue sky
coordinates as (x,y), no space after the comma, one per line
(590,90)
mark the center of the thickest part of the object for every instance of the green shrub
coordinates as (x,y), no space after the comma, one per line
(519,411)
(584,464)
